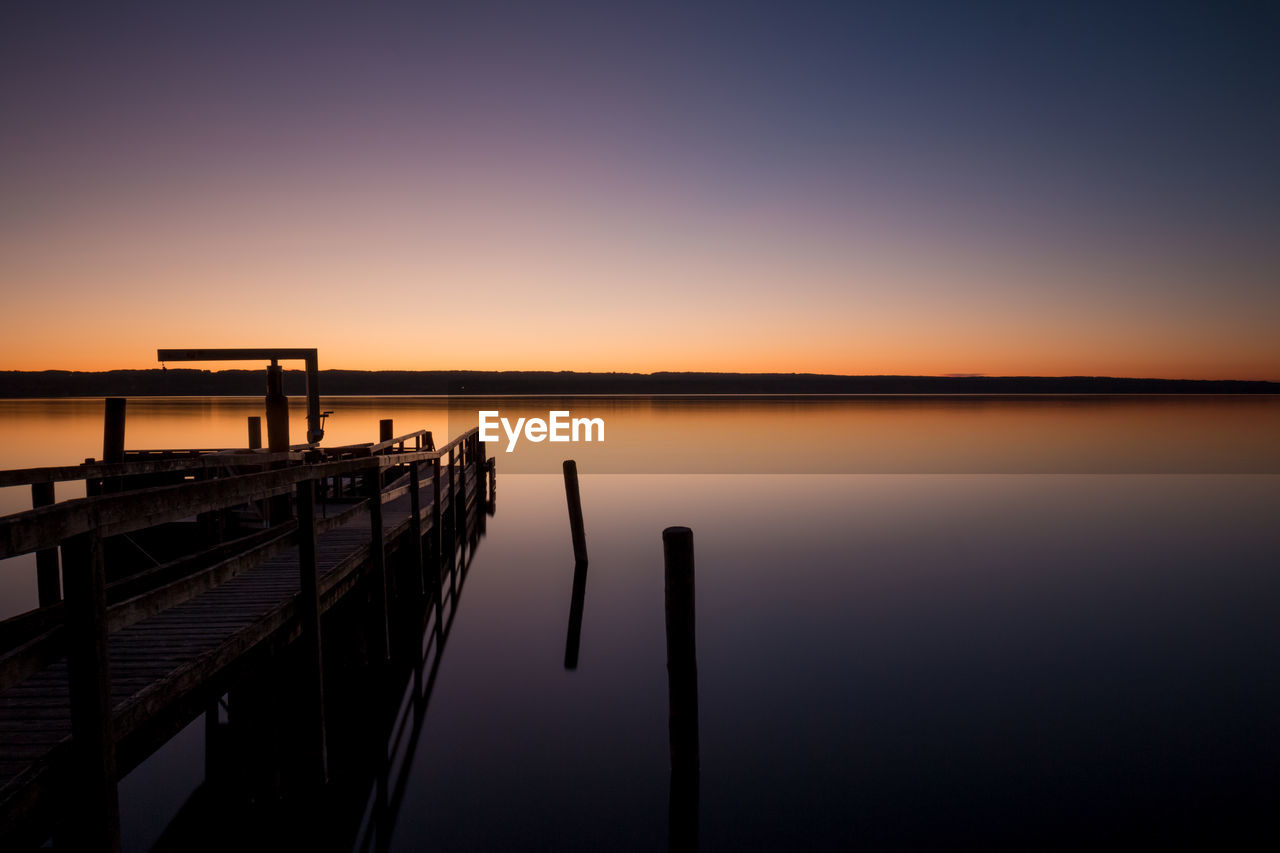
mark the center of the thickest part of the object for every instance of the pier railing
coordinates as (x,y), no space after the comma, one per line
(358,479)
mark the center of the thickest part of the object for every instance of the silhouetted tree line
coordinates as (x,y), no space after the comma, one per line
(184,382)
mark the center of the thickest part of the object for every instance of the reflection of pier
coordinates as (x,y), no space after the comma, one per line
(220,582)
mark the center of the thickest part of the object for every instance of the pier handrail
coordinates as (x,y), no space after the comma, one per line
(114,514)
(99,470)
(423,436)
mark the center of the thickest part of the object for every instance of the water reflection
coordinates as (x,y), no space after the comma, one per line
(576,604)
(891,661)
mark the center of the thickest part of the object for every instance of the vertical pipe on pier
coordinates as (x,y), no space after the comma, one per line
(255,432)
(682,685)
(277,434)
(312,704)
(574,498)
(93,749)
(48,587)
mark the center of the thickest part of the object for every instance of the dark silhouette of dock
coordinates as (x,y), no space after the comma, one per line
(281,540)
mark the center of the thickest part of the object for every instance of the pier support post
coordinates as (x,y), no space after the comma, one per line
(415,526)
(378,566)
(455,505)
(682,686)
(48,587)
(97,823)
(482,498)
(437,535)
(574,498)
(316,750)
(255,432)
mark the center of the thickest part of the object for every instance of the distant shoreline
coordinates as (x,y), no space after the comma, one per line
(237,383)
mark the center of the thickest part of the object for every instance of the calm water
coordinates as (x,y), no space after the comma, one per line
(1009,623)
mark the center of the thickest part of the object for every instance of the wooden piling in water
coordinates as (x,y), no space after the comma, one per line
(682,662)
(682,687)
(312,704)
(93,748)
(574,498)
(48,585)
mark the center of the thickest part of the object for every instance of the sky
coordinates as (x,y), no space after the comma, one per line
(906,187)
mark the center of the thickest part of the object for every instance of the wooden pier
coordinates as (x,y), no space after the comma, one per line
(92,684)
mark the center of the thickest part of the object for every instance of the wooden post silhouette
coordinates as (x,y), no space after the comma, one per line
(255,432)
(386,432)
(575,511)
(113,430)
(312,704)
(682,686)
(48,586)
(93,747)
(113,439)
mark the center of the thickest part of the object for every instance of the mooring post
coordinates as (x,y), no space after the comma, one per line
(255,432)
(682,687)
(316,750)
(575,511)
(93,747)
(48,587)
(415,526)
(113,439)
(378,565)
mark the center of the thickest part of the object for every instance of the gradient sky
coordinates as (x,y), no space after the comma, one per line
(905,187)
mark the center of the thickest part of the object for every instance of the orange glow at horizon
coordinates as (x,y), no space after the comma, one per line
(542,274)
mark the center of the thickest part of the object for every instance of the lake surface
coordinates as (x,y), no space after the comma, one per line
(1006,623)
